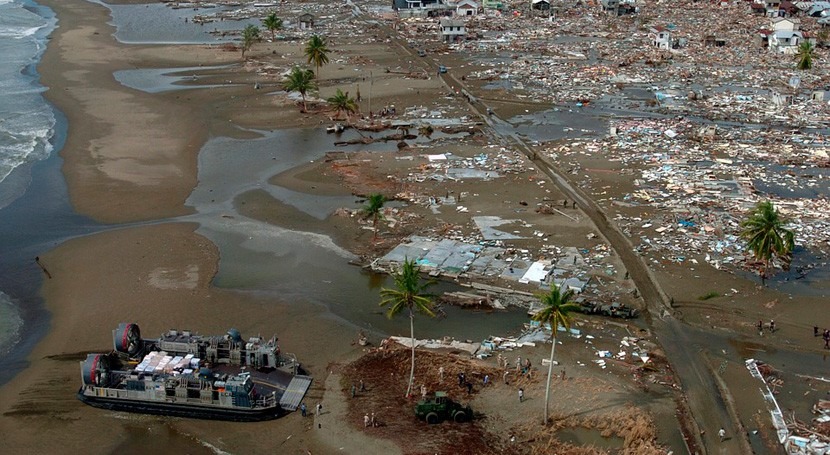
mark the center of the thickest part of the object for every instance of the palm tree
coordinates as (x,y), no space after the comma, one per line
(766,235)
(272,23)
(556,309)
(317,52)
(374,209)
(425,130)
(249,35)
(805,55)
(409,294)
(341,102)
(299,80)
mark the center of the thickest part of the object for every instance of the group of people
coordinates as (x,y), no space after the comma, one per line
(825,334)
(304,409)
(370,421)
(761,327)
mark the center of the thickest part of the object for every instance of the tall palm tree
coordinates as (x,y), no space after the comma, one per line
(766,235)
(272,23)
(341,102)
(374,209)
(556,311)
(805,55)
(409,294)
(317,52)
(250,34)
(299,80)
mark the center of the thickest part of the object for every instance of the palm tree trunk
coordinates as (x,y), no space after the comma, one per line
(550,373)
(412,366)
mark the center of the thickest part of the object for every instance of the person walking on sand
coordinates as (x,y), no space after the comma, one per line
(772,325)
(521,395)
(319,409)
(761,328)
(303,409)
(722,434)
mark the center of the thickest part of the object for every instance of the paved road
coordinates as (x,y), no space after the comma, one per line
(687,357)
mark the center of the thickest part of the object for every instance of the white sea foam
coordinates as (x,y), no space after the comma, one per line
(10,323)
(27,122)
(19,32)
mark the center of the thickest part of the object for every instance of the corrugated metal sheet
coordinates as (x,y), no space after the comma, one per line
(295,392)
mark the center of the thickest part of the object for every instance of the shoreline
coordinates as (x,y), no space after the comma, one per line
(150,274)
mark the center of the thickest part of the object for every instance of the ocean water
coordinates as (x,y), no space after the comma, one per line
(157,23)
(27,123)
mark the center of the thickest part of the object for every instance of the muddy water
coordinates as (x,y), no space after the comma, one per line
(585,437)
(304,267)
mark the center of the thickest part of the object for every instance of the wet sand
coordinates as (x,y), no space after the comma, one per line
(130,157)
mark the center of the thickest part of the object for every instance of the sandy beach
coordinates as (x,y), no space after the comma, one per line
(131,160)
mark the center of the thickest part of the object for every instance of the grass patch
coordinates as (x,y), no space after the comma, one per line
(709,295)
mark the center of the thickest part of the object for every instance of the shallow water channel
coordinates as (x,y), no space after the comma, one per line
(305,267)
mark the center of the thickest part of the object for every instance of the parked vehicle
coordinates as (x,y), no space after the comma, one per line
(442,69)
(618,310)
(441,407)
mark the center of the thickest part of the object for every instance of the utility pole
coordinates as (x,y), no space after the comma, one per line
(371,82)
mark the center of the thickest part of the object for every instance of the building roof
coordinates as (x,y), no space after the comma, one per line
(776,20)
(446,22)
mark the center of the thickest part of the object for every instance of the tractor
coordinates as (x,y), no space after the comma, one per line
(440,407)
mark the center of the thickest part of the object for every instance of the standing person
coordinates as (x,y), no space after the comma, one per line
(319,409)
(518,364)
(374,424)
(441,374)
(486,379)
(815,330)
(366,420)
(772,325)
(722,434)
(504,376)
(354,390)
(760,327)
(303,409)
(521,395)
(826,339)
(362,386)
(469,387)
(423,391)
(460,379)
